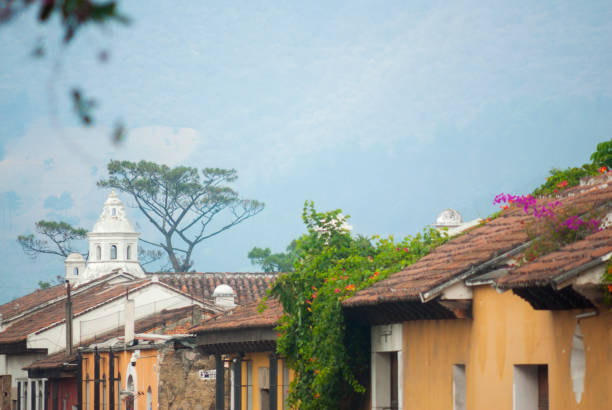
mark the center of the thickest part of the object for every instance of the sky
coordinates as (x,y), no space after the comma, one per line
(391,111)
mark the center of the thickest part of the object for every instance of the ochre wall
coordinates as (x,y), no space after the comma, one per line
(146,376)
(504,331)
(261,359)
(430,349)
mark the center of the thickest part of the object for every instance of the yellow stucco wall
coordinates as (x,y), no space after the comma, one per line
(257,360)
(146,376)
(504,331)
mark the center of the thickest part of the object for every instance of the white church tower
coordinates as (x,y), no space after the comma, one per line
(113,244)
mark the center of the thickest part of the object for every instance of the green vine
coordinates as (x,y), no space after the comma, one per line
(328,355)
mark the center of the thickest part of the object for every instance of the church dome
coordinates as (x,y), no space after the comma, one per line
(449,217)
(113,218)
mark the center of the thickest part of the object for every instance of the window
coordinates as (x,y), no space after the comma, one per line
(104,401)
(459,387)
(149,399)
(129,401)
(113,250)
(285,385)
(33,395)
(128,252)
(21,395)
(86,391)
(114,212)
(75,271)
(118,391)
(98,252)
(249,385)
(263,382)
(530,387)
(386,380)
(40,400)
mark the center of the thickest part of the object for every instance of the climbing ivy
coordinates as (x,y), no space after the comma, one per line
(327,354)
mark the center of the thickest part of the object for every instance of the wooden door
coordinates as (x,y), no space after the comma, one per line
(5,392)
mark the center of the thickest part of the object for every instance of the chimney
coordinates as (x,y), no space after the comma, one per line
(129,321)
(68,320)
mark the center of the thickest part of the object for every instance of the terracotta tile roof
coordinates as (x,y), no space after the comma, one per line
(248,287)
(55,313)
(52,361)
(543,270)
(242,317)
(159,320)
(449,260)
(30,301)
(471,249)
(37,299)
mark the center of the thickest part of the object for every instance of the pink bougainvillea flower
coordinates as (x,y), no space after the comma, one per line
(573,223)
(336,290)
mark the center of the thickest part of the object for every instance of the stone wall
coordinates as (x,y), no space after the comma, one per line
(180,386)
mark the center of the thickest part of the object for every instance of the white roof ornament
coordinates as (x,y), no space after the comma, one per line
(224,296)
(449,217)
(451,222)
(223,290)
(113,218)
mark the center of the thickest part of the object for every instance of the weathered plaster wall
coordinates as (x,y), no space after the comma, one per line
(505,331)
(14,365)
(180,386)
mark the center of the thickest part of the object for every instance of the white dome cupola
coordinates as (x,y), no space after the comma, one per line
(113,243)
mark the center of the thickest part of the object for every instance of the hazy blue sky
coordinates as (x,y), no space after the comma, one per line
(392,111)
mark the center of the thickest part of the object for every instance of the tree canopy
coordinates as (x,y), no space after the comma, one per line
(54,238)
(330,356)
(274,262)
(181,203)
(558,179)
